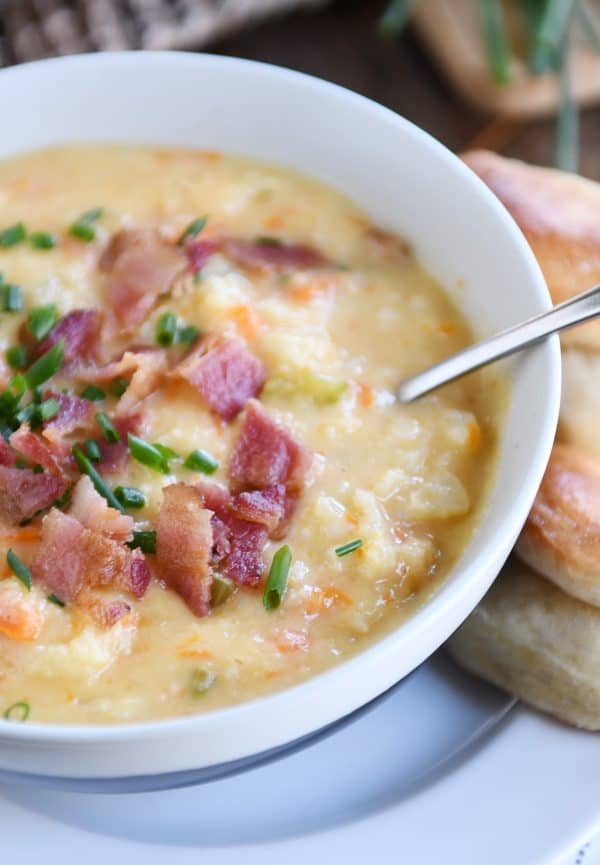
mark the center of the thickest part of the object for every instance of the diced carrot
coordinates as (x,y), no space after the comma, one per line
(292,641)
(247,321)
(352,519)
(366,395)
(447,327)
(191,648)
(474,433)
(25,533)
(275,222)
(304,292)
(324,598)
(19,618)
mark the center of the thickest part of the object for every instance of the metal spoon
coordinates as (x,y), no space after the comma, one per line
(578,309)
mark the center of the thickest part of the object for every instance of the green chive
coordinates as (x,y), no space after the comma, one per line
(147,454)
(92,449)
(12,299)
(494,32)
(166,451)
(41,320)
(93,393)
(277,579)
(16,356)
(220,590)
(395,17)
(200,681)
(108,429)
(130,497)
(12,235)
(46,365)
(193,230)
(82,228)
(144,541)
(54,599)
(20,709)
(188,335)
(96,478)
(349,547)
(119,386)
(92,215)
(27,414)
(201,461)
(19,569)
(550,34)
(48,409)
(43,240)
(166,329)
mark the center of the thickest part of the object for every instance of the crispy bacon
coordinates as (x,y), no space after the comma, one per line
(93,512)
(71,557)
(107,613)
(199,251)
(268,255)
(265,454)
(35,449)
(23,493)
(74,414)
(140,267)
(183,546)
(114,455)
(225,374)
(7,457)
(145,366)
(80,330)
(266,507)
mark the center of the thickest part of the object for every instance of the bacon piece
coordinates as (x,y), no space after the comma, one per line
(146,366)
(74,414)
(71,557)
(265,454)
(35,450)
(80,330)
(183,546)
(226,375)
(23,493)
(93,512)
(267,507)
(114,455)
(265,256)
(7,457)
(107,614)
(140,268)
(199,251)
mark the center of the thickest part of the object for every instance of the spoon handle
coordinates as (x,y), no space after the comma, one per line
(578,309)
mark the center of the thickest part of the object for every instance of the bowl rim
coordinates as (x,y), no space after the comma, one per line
(438,608)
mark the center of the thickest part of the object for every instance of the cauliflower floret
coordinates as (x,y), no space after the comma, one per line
(288,352)
(86,656)
(220,292)
(439,496)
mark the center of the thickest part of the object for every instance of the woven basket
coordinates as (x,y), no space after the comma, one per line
(30,29)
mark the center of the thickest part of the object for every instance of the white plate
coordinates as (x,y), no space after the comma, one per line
(445,770)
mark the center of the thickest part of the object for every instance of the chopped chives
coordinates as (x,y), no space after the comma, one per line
(19,569)
(188,335)
(277,579)
(43,240)
(92,449)
(494,33)
(144,541)
(12,235)
(221,589)
(166,451)
(108,429)
(96,478)
(21,709)
(130,497)
(92,215)
(83,228)
(48,409)
(193,230)
(41,320)
(26,414)
(119,386)
(54,599)
(166,329)
(16,356)
(46,365)
(147,454)
(395,17)
(12,299)
(93,393)
(200,681)
(201,461)
(349,547)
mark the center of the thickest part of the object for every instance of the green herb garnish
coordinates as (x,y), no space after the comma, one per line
(188,335)
(148,454)
(43,240)
(19,569)
(110,433)
(93,393)
(12,235)
(83,228)
(144,541)
(47,409)
(395,18)
(166,329)
(193,230)
(221,589)
(201,461)
(277,579)
(12,299)
(92,449)
(349,547)
(119,386)
(17,712)
(54,599)
(41,320)
(494,31)
(86,467)
(130,497)
(46,365)
(16,356)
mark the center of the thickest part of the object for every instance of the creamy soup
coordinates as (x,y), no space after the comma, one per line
(207,492)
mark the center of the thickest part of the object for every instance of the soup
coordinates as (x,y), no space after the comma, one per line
(207,491)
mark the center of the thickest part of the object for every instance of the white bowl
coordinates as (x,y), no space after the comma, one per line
(407,182)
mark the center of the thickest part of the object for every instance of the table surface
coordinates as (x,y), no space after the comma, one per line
(340,43)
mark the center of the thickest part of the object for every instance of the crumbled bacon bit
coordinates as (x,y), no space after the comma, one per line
(225,374)
(80,329)
(74,414)
(262,506)
(35,449)
(145,366)
(93,512)
(7,457)
(199,251)
(114,455)
(23,493)
(272,255)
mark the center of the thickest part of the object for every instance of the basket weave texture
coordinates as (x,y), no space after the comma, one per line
(30,29)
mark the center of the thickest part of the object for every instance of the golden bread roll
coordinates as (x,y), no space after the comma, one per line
(531,639)
(579,422)
(559,214)
(561,538)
